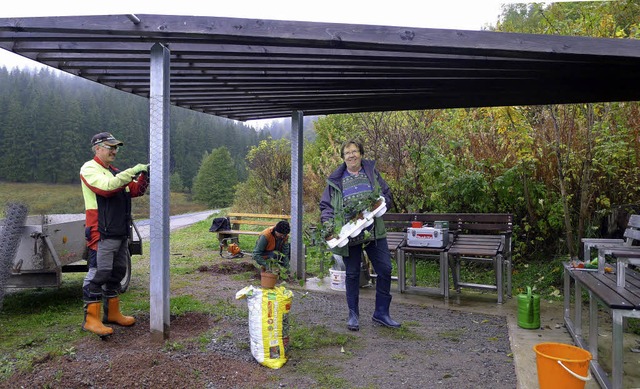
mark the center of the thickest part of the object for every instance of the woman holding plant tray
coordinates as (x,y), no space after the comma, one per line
(350,189)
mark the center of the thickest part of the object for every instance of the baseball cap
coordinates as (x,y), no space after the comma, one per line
(106,138)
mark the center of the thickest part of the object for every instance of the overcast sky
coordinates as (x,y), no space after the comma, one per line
(450,14)
(460,14)
(454,14)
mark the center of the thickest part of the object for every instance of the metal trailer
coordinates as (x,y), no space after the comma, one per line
(50,245)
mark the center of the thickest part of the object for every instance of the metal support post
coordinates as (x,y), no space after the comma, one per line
(298,265)
(159,109)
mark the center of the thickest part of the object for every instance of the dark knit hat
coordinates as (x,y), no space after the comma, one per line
(282,227)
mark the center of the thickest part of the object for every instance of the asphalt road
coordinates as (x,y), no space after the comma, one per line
(176,222)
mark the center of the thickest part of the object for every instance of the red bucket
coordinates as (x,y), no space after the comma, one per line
(416,224)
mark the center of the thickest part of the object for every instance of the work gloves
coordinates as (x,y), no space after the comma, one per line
(133,172)
(141,167)
(128,175)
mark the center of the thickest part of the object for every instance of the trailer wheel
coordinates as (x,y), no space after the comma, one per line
(124,284)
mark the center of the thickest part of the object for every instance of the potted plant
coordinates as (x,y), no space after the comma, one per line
(357,208)
(374,199)
(272,271)
(330,230)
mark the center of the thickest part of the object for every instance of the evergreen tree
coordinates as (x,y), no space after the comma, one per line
(48,117)
(175,183)
(214,184)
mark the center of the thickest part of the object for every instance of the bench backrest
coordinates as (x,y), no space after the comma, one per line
(632,233)
(476,223)
(459,223)
(255,219)
(400,221)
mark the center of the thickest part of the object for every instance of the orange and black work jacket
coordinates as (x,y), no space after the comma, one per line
(107,196)
(268,243)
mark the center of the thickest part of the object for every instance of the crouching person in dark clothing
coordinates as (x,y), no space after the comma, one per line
(271,241)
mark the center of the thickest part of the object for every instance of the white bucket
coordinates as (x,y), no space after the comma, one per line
(337,279)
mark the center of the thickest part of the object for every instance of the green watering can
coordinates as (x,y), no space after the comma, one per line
(529,310)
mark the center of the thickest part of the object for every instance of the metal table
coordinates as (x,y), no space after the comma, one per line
(622,302)
(410,253)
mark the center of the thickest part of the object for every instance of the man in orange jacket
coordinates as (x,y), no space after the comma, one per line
(271,240)
(107,194)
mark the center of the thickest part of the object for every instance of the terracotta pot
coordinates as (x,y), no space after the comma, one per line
(268,280)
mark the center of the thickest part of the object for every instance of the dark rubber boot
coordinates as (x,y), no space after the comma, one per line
(381,314)
(353,289)
(352,323)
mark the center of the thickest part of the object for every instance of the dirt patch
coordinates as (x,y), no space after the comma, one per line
(435,348)
(129,358)
(228,267)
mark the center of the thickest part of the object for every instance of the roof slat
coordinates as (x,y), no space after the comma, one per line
(248,69)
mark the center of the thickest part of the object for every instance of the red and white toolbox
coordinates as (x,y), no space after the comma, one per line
(437,236)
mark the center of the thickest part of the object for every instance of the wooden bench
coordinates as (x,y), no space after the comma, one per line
(621,302)
(483,237)
(473,237)
(631,237)
(256,223)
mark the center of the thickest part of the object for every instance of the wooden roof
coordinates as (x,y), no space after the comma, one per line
(248,69)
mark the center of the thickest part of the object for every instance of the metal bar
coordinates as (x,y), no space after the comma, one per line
(509,272)
(133,18)
(159,202)
(54,253)
(567,296)
(617,367)
(499,267)
(413,269)
(578,312)
(621,266)
(477,286)
(28,279)
(401,270)
(444,264)
(593,326)
(297,251)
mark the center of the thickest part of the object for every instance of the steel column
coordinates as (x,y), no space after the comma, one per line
(298,265)
(159,231)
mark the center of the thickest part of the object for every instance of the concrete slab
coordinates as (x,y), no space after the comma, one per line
(522,340)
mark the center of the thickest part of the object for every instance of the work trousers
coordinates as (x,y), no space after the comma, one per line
(380,258)
(107,268)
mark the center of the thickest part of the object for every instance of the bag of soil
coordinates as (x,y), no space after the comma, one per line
(268,323)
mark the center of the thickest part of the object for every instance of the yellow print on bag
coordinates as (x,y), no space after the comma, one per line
(268,323)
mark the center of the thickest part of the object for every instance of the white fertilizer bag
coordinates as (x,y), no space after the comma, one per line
(268,323)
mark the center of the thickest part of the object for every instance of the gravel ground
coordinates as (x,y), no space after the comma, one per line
(435,348)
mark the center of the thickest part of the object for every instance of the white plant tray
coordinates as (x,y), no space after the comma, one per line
(351,229)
